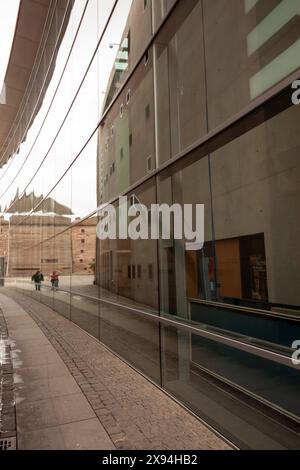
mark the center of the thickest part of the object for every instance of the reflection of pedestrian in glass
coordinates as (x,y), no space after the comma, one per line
(38,278)
(54,278)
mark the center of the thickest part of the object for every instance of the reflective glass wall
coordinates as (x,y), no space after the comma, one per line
(171,102)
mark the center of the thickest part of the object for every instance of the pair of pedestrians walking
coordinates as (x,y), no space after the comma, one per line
(38,278)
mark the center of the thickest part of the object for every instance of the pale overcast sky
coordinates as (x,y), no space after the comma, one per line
(80,193)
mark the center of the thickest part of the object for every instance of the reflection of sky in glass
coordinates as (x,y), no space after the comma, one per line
(78,188)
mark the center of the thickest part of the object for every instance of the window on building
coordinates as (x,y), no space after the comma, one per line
(139,271)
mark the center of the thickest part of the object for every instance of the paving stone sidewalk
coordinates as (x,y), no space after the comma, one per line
(134,413)
(8,429)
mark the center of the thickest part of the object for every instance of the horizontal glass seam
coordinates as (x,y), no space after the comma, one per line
(260,352)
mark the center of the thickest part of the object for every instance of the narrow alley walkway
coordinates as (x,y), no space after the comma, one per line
(71,392)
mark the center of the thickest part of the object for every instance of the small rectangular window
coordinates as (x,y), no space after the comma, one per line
(139,271)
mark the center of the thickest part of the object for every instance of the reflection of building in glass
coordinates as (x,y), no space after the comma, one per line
(30,203)
(197,109)
(4,230)
(27,66)
(238,264)
(240,270)
(199,71)
(28,254)
(84,246)
(30,236)
(33,242)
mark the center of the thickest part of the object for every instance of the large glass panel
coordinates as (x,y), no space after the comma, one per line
(256,191)
(126,137)
(126,271)
(22,234)
(250,45)
(250,189)
(180,81)
(4,237)
(127,38)
(136,339)
(83,231)
(238,393)
(85,313)
(127,268)
(252,184)
(137,294)
(186,272)
(160,10)
(83,235)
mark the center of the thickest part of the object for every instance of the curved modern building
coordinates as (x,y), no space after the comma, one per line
(170,103)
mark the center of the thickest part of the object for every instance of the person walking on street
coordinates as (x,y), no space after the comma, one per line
(54,278)
(38,278)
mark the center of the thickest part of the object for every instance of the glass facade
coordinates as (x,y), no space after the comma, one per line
(171,102)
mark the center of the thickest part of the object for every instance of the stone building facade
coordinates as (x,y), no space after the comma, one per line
(84,246)
(67,251)
(28,254)
(4,231)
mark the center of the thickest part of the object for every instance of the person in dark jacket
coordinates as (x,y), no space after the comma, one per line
(38,278)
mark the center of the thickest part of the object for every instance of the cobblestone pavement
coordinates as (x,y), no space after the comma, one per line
(134,413)
(7,401)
